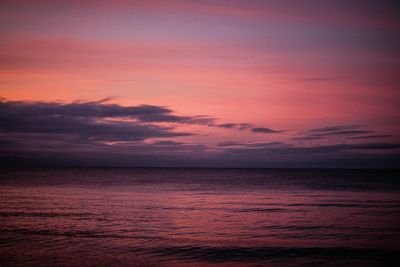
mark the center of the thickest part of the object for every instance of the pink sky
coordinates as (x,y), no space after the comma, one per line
(281,65)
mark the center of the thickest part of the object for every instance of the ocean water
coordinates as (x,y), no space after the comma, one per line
(199,217)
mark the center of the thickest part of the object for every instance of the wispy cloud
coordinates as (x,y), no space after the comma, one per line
(97,132)
(238,126)
(22,113)
(333,129)
(338,131)
(265,130)
(370,136)
(98,109)
(248,126)
(89,120)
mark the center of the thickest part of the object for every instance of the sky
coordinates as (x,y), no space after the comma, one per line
(200,83)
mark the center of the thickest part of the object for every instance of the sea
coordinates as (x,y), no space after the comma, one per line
(199,217)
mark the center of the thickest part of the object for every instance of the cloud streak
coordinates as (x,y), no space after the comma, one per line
(100,120)
(98,109)
(340,131)
(264,130)
(88,120)
(99,133)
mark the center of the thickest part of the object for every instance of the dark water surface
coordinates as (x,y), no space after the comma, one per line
(199,217)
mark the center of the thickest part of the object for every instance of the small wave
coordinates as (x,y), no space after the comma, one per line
(261,210)
(244,254)
(78,234)
(43,214)
(334,205)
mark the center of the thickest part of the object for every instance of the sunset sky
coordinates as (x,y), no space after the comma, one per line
(200,83)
